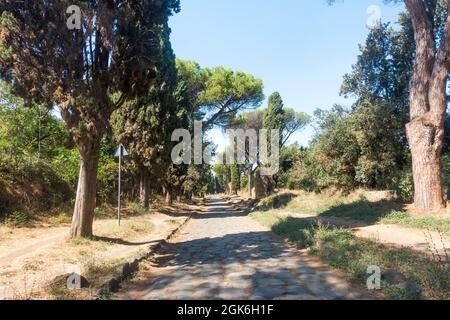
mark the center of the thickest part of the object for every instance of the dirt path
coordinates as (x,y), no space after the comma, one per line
(29,259)
(25,248)
(23,242)
(224,254)
(426,242)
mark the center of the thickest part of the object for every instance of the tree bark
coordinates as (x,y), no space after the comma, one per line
(85,203)
(169,197)
(250,184)
(143,189)
(426,165)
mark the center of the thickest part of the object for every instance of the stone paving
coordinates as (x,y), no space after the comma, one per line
(224,254)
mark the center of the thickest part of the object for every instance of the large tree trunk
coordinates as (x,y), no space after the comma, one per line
(83,214)
(144,193)
(426,165)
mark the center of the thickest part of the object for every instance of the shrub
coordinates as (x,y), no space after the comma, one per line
(19,219)
(404,186)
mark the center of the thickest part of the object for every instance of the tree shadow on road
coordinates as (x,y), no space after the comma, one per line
(253,265)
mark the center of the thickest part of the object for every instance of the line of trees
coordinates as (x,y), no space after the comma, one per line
(233,177)
(116,80)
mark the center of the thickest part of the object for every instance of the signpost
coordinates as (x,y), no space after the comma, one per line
(121,152)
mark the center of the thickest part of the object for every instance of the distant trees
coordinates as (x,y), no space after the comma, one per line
(145,123)
(275,116)
(27,131)
(217,95)
(213,96)
(235,178)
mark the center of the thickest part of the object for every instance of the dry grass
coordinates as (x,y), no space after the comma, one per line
(95,258)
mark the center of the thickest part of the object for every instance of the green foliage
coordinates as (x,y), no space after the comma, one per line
(235,178)
(19,219)
(107,175)
(198,180)
(352,148)
(345,251)
(404,186)
(366,145)
(335,149)
(32,183)
(274,116)
(27,131)
(217,95)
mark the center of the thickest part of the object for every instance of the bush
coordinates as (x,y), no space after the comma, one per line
(19,219)
(32,185)
(404,186)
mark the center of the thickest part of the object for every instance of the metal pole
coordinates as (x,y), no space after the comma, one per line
(120,174)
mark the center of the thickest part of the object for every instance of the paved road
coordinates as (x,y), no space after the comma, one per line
(224,254)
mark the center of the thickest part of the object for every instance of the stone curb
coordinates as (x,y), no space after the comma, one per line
(127,270)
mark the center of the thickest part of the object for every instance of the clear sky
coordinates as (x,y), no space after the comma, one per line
(300,48)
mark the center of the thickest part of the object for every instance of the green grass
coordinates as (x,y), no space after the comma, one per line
(19,219)
(353,255)
(353,207)
(360,210)
(404,219)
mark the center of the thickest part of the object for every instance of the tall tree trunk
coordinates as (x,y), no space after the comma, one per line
(143,188)
(250,183)
(169,196)
(426,165)
(83,214)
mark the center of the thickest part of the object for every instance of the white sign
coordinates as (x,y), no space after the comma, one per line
(121,151)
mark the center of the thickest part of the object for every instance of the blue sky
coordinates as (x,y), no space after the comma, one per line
(300,48)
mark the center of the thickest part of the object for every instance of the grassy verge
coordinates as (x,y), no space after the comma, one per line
(354,207)
(404,219)
(344,251)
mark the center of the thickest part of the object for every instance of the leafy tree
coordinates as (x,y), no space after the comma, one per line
(216,95)
(274,116)
(292,122)
(428,98)
(27,132)
(383,69)
(335,149)
(377,131)
(88,73)
(145,124)
(213,96)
